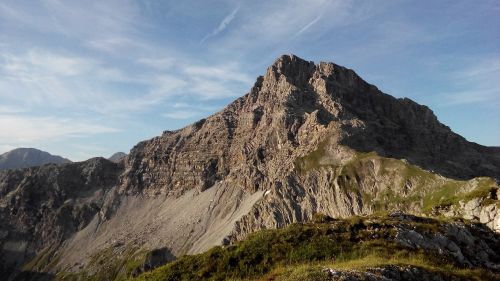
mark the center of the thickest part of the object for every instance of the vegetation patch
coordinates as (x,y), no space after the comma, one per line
(316,271)
(312,160)
(400,185)
(44,261)
(300,251)
(446,197)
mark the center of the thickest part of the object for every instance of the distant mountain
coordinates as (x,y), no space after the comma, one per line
(28,157)
(117,157)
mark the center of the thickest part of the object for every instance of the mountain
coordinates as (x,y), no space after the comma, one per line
(117,157)
(307,139)
(28,157)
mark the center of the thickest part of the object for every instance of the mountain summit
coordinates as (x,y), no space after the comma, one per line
(28,157)
(117,157)
(295,107)
(308,138)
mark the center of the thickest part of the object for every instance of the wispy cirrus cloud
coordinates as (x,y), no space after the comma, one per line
(307,26)
(181,114)
(163,63)
(51,79)
(182,111)
(11,109)
(477,81)
(268,24)
(222,25)
(20,129)
(40,62)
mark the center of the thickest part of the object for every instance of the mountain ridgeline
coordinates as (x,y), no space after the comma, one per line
(117,157)
(28,157)
(307,139)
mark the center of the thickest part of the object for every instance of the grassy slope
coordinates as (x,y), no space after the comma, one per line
(429,189)
(301,251)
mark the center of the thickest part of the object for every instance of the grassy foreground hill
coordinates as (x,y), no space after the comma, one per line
(328,249)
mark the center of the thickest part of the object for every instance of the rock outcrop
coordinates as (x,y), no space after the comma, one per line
(482,209)
(308,138)
(389,273)
(42,207)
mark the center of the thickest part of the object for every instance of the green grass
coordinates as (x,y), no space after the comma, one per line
(312,160)
(447,197)
(45,260)
(288,253)
(314,271)
(427,189)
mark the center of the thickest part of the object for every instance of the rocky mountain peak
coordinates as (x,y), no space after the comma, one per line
(295,106)
(296,70)
(308,138)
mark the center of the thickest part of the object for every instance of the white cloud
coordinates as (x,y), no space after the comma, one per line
(56,64)
(213,82)
(10,109)
(180,114)
(40,78)
(218,72)
(6,148)
(478,82)
(24,130)
(222,25)
(73,18)
(275,22)
(472,96)
(485,68)
(158,63)
(209,89)
(118,45)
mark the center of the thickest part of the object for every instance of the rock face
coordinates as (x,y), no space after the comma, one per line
(41,207)
(28,157)
(480,209)
(289,112)
(117,157)
(156,258)
(307,138)
(469,245)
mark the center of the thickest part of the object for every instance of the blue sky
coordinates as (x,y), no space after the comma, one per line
(89,78)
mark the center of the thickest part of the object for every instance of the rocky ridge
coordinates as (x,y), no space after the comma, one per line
(42,207)
(308,138)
